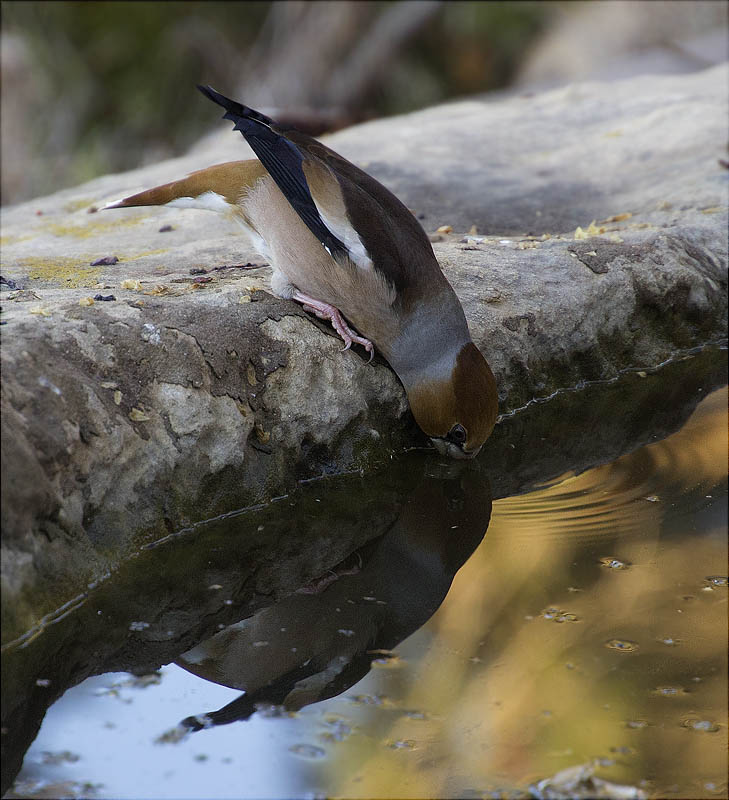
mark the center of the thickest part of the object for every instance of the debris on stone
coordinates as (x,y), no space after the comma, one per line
(23,296)
(251,374)
(491,295)
(580,782)
(592,230)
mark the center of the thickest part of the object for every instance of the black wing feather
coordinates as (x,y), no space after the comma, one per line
(283,161)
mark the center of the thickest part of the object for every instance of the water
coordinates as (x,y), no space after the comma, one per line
(588,626)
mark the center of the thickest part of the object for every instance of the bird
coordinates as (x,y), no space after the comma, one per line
(318,642)
(342,245)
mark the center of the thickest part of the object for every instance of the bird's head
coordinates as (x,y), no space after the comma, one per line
(457,408)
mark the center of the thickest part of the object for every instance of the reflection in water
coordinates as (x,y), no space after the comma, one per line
(630,495)
(319,641)
(516,692)
(586,633)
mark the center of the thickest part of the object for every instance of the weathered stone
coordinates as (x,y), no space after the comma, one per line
(128,419)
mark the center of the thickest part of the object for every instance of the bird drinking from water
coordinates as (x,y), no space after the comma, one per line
(346,248)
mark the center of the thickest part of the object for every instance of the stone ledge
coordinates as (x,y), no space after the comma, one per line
(180,400)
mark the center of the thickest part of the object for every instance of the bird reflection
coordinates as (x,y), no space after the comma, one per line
(322,639)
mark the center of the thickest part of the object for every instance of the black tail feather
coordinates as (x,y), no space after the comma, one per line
(283,159)
(235,110)
(239,709)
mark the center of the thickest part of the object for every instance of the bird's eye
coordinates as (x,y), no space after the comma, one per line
(457,434)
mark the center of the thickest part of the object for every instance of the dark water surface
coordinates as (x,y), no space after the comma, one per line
(581,621)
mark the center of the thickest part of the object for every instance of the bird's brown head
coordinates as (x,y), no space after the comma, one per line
(457,411)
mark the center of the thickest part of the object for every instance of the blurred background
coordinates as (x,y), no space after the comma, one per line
(90,88)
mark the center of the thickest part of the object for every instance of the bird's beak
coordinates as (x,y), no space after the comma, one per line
(446,448)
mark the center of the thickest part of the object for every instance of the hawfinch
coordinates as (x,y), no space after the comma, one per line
(346,248)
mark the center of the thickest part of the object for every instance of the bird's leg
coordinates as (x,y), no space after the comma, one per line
(351,565)
(334,315)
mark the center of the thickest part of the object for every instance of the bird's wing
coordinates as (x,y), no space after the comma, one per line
(392,238)
(284,162)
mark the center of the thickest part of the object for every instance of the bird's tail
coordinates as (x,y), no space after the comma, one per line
(283,159)
(158,196)
(240,709)
(223,180)
(235,111)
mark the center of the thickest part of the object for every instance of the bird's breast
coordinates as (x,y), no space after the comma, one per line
(354,285)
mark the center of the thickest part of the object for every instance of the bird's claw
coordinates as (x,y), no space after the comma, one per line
(329,312)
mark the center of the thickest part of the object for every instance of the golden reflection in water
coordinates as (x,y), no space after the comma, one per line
(511,694)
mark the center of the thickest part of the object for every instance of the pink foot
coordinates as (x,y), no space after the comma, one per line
(327,311)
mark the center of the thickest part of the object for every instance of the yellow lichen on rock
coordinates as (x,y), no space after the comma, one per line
(91,228)
(66,272)
(77,205)
(146,253)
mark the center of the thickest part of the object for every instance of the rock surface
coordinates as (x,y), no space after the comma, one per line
(184,398)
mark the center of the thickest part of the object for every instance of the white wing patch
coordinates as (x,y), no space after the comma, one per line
(208,201)
(349,237)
